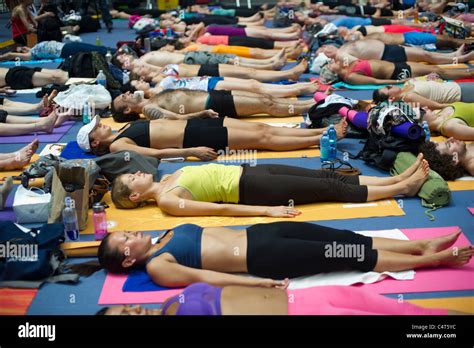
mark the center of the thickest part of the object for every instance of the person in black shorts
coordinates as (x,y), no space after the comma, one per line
(22,77)
(201,134)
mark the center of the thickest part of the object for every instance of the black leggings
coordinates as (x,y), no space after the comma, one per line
(275,184)
(251,42)
(294,249)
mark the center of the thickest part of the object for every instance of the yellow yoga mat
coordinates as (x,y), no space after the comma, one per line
(461,304)
(310,152)
(152,218)
(461,185)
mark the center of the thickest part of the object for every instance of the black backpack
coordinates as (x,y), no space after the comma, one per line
(33,257)
(381,149)
(49,29)
(88,64)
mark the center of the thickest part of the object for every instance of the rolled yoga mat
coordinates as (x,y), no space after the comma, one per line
(434,192)
(359,119)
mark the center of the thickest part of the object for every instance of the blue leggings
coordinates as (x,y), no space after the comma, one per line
(418,39)
(72,48)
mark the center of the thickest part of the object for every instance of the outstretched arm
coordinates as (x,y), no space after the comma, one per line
(13,55)
(154,112)
(175,205)
(172,274)
(458,131)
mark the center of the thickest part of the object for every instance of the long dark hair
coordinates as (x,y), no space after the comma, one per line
(109,258)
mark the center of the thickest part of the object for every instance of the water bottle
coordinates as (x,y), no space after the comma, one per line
(332,142)
(149,5)
(108,57)
(307,121)
(71,227)
(426,128)
(169,32)
(324,146)
(98,42)
(147,44)
(86,116)
(101,79)
(100,221)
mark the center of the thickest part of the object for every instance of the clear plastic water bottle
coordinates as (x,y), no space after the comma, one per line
(147,44)
(324,147)
(100,221)
(71,227)
(426,128)
(86,115)
(101,79)
(108,57)
(332,134)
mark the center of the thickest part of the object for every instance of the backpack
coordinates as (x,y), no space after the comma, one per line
(88,64)
(453,27)
(284,17)
(382,146)
(32,258)
(49,29)
(88,24)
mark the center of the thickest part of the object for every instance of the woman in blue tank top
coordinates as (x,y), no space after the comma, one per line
(189,253)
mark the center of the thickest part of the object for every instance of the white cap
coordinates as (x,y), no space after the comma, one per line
(83,134)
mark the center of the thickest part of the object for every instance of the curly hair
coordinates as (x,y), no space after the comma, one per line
(441,163)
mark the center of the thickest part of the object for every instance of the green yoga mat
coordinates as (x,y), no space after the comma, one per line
(434,193)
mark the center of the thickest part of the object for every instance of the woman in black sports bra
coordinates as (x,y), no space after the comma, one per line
(204,138)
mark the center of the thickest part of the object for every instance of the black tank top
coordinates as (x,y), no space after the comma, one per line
(138,131)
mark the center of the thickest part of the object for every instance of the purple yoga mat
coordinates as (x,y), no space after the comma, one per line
(43,137)
(7,214)
(405,130)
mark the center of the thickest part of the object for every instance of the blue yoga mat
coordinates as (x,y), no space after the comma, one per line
(73,151)
(361,87)
(139,281)
(31,62)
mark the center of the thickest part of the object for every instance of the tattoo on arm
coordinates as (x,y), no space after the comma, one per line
(152,113)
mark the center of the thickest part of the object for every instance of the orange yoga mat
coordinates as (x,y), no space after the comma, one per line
(310,152)
(18,171)
(461,304)
(152,218)
(16,301)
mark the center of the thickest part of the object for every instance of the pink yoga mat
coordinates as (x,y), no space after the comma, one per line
(43,137)
(471,210)
(112,293)
(435,279)
(440,279)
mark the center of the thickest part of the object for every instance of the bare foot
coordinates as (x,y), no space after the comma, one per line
(47,123)
(434,245)
(410,170)
(27,152)
(414,182)
(63,117)
(309,87)
(454,257)
(299,69)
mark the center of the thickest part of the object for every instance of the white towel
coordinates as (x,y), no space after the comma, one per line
(354,277)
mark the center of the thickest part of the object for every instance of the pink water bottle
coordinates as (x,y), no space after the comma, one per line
(100,221)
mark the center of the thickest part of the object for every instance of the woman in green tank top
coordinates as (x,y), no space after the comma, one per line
(263,190)
(456,120)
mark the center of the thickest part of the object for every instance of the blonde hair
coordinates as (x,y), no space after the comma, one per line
(121,194)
